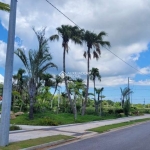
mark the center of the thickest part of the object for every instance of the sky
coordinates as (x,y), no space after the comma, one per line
(125,22)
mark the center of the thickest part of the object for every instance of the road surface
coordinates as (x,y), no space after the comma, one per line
(132,138)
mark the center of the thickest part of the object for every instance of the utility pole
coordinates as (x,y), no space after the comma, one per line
(128,88)
(6,104)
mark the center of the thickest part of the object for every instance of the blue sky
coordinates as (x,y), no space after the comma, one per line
(127,25)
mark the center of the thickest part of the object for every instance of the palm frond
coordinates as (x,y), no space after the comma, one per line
(95,55)
(101,34)
(21,54)
(54,37)
(4,7)
(84,54)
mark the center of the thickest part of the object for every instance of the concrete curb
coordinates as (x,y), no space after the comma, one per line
(54,143)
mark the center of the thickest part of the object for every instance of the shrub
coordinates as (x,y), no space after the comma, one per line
(118,111)
(48,121)
(147,111)
(110,111)
(90,111)
(14,127)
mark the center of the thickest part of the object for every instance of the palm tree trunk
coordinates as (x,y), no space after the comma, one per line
(53,95)
(96,105)
(94,90)
(55,91)
(32,91)
(100,105)
(66,83)
(75,108)
(87,88)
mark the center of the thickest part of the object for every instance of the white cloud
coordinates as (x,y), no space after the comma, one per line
(3,47)
(145,70)
(126,22)
(1,79)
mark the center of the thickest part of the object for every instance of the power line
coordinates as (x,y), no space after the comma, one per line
(124,61)
(105,47)
(62,13)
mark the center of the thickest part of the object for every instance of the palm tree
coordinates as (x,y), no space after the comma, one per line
(36,63)
(99,91)
(47,79)
(125,93)
(94,73)
(4,7)
(93,41)
(75,88)
(19,79)
(57,81)
(67,33)
(19,85)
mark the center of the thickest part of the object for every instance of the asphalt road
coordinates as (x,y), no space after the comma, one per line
(132,138)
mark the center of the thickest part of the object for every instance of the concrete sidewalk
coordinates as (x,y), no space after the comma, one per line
(76,130)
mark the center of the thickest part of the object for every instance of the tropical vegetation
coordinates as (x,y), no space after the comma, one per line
(39,93)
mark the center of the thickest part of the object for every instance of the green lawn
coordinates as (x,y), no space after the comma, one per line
(113,126)
(49,118)
(34,142)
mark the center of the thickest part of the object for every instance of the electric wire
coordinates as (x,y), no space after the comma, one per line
(105,47)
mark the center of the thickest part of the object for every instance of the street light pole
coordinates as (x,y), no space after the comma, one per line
(7,90)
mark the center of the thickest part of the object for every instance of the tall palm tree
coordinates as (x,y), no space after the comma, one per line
(36,63)
(67,32)
(93,42)
(4,7)
(94,73)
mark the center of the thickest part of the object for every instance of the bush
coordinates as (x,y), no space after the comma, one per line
(147,111)
(118,111)
(90,111)
(110,111)
(14,127)
(48,121)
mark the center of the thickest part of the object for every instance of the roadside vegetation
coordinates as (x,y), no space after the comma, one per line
(37,96)
(118,125)
(35,142)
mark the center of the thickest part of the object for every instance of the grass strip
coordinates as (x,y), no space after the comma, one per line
(34,142)
(117,125)
(52,119)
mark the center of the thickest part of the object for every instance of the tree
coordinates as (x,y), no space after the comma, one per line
(57,81)
(47,79)
(19,79)
(67,33)
(99,91)
(4,7)
(93,41)
(126,107)
(19,86)
(36,63)
(125,93)
(94,73)
(75,88)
